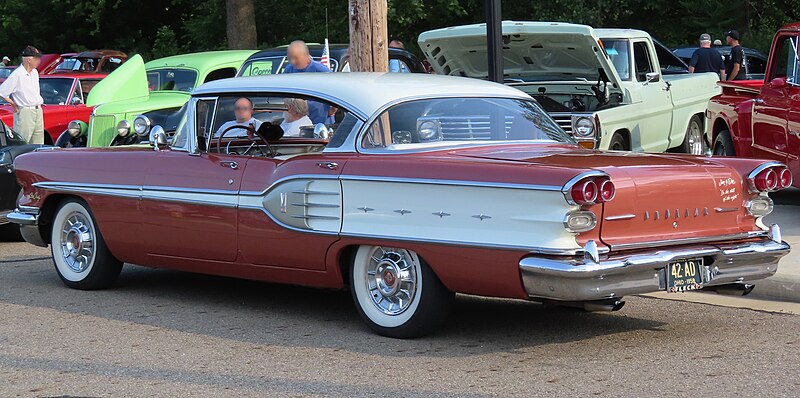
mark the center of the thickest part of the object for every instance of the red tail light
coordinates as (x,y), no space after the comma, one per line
(769,177)
(591,190)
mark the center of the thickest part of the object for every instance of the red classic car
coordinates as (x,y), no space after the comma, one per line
(761,118)
(95,61)
(64,95)
(425,186)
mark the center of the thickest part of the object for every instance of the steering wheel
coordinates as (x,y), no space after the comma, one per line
(251,135)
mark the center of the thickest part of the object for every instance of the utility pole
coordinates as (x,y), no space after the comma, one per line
(494,40)
(369,39)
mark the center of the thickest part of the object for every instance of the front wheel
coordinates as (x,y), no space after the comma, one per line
(81,257)
(396,293)
(723,144)
(694,143)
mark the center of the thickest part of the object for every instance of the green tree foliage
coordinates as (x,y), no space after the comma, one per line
(160,27)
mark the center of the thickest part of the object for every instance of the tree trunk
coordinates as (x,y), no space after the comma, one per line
(368,36)
(241,25)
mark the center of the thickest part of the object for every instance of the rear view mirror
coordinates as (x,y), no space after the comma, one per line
(158,138)
(653,77)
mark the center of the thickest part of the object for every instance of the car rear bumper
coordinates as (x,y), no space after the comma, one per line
(618,275)
(28,220)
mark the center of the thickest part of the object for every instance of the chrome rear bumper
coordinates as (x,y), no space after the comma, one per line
(618,275)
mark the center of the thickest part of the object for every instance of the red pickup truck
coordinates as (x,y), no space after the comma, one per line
(761,118)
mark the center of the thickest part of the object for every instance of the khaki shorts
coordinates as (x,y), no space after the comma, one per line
(29,123)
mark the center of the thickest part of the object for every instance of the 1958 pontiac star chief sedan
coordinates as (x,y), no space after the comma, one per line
(424,187)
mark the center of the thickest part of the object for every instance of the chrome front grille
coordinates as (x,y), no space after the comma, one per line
(468,128)
(101,126)
(564,121)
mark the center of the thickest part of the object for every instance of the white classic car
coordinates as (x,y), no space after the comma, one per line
(610,88)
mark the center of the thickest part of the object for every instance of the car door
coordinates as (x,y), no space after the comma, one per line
(793,93)
(771,107)
(189,197)
(655,112)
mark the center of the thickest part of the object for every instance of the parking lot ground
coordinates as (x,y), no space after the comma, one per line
(165,333)
(785,284)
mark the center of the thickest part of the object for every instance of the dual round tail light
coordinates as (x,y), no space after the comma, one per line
(770,179)
(591,190)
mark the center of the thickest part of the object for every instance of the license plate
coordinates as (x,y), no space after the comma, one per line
(684,275)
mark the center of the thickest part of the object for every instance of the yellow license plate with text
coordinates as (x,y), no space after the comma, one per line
(685,275)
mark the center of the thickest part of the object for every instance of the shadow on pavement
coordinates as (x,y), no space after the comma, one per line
(262,313)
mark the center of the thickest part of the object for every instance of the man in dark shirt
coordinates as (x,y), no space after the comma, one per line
(706,59)
(735,69)
(300,61)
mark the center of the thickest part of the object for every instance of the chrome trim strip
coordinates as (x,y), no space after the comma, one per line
(158,188)
(125,191)
(482,184)
(725,209)
(624,217)
(28,209)
(671,242)
(20,218)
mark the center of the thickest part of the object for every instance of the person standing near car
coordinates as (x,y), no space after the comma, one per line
(6,61)
(734,70)
(300,61)
(707,59)
(21,91)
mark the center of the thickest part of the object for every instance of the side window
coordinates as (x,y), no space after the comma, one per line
(223,73)
(86,87)
(756,66)
(786,60)
(398,66)
(641,60)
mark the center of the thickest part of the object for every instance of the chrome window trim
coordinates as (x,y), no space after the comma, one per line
(480,184)
(348,146)
(374,116)
(284,91)
(192,143)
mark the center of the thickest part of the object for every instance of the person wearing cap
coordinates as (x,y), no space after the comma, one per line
(21,91)
(734,70)
(6,61)
(707,59)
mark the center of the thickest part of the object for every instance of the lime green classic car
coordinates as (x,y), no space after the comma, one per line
(152,93)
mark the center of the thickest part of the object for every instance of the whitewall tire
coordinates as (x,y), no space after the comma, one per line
(396,293)
(81,257)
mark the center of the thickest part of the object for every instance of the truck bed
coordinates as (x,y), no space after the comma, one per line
(741,87)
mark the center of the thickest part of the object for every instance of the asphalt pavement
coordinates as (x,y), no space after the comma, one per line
(166,333)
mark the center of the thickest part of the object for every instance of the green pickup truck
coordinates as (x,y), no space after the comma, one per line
(157,89)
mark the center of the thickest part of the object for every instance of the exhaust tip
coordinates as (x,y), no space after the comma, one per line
(732,289)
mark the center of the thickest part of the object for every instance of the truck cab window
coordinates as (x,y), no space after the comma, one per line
(786,61)
(642,60)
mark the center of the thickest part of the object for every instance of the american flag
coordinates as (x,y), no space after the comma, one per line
(325,59)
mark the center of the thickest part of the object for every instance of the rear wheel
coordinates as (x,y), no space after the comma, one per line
(396,293)
(81,257)
(723,144)
(693,142)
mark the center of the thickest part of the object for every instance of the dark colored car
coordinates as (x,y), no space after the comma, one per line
(273,61)
(755,62)
(11,146)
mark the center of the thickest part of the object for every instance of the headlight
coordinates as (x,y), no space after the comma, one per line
(123,128)
(74,128)
(141,125)
(428,130)
(584,127)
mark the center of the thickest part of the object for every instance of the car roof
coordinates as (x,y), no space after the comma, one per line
(617,33)
(100,54)
(201,60)
(75,75)
(375,89)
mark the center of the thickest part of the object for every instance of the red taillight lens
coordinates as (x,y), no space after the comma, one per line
(766,180)
(784,178)
(607,191)
(584,192)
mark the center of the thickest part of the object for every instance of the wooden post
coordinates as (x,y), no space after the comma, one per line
(369,39)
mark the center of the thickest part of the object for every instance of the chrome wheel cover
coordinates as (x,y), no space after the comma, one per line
(77,242)
(694,136)
(391,280)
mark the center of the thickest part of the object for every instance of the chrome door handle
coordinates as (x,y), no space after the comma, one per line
(231,164)
(758,101)
(328,165)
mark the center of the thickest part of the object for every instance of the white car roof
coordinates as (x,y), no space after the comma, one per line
(613,33)
(364,92)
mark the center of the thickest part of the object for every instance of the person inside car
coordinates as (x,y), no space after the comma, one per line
(296,116)
(243,116)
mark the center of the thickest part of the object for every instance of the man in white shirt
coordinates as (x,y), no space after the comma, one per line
(243,113)
(296,116)
(21,91)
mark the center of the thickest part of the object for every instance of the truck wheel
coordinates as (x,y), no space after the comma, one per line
(80,254)
(396,293)
(617,143)
(693,141)
(723,144)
